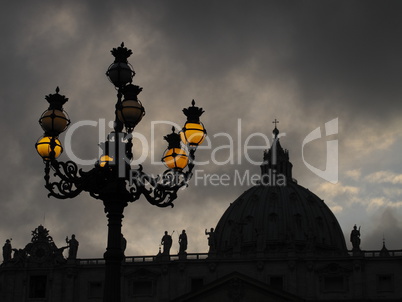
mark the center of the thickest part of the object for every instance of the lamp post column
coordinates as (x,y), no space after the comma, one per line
(114,254)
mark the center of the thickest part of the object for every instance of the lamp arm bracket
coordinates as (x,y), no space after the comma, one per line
(159,191)
(67,185)
(71,180)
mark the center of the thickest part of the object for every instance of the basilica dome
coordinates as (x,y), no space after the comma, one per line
(279,216)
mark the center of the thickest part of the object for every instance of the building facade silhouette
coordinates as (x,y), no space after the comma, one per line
(275,242)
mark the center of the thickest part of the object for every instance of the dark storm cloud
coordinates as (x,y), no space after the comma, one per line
(341,54)
(350,53)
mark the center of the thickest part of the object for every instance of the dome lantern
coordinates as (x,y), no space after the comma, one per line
(276,161)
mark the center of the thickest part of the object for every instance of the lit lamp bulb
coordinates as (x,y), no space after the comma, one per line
(175,157)
(107,147)
(105,159)
(46,145)
(193,134)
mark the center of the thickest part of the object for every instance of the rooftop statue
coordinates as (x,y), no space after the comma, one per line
(183,242)
(73,247)
(211,239)
(167,243)
(355,238)
(7,251)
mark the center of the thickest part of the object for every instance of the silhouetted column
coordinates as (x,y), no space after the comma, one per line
(114,254)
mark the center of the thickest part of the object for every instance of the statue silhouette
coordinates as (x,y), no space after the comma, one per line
(183,242)
(73,247)
(167,243)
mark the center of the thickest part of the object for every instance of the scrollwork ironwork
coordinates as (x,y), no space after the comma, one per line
(101,183)
(68,175)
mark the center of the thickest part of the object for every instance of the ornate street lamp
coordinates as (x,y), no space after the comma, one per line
(112,179)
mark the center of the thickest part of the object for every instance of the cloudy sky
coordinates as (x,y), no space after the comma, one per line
(246,63)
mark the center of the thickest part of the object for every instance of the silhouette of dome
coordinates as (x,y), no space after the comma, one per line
(278,216)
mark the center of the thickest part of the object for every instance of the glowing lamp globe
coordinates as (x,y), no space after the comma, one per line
(193,134)
(48,148)
(105,159)
(175,158)
(54,121)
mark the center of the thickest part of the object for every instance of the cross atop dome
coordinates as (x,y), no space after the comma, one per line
(275,131)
